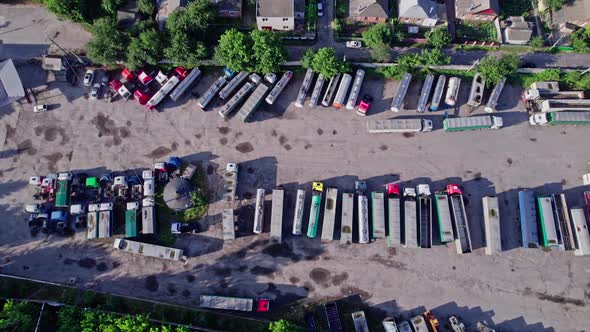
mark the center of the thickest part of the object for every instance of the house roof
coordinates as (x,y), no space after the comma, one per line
(275,8)
(11,87)
(418,9)
(518,29)
(575,11)
(477,7)
(368,8)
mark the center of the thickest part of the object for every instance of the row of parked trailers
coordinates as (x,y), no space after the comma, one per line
(335,93)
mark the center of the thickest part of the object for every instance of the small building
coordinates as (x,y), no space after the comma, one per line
(228,8)
(425,13)
(517,30)
(52,63)
(368,11)
(11,87)
(477,10)
(275,15)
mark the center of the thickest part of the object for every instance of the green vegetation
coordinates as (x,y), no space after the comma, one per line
(18,316)
(110,7)
(107,45)
(581,40)
(284,326)
(515,8)
(341,9)
(416,63)
(554,4)
(537,42)
(76,10)
(324,62)
(439,37)
(479,32)
(268,51)
(311,14)
(493,68)
(147,7)
(146,48)
(568,80)
(337,25)
(379,38)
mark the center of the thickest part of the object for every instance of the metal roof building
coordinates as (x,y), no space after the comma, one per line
(177,194)
(11,87)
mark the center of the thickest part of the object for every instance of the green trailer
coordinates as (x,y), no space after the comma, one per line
(472,123)
(314,212)
(62,196)
(131,223)
(569,118)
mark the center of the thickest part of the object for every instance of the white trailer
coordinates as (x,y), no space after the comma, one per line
(347,216)
(252,102)
(419,324)
(342,91)
(317,91)
(226,302)
(162,93)
(228,223)
(410,220)
(92,222)
(235,100)
(278,89)
(233,84)
(186,83)
(329,214)
(389,324)
(305,85)
(298,216)
(363,211)
(562,218)
(331,90)
(452,91)
(356,89)
(394,218)
(105,220)
(491,219)
(378,213)
(438,92)
(211,92)
(425,93)
(148,213)
(150,250)
(398,100)
(557,105)
(259,211)
(360,321)
(399,126)
(478,86)
(495,96)
(473,123)
(560,118)
(581,232)
(276,217)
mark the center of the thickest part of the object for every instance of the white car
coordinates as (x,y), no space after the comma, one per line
(40,108)
(354,44)
(320,9)
(95,91)
(89,77)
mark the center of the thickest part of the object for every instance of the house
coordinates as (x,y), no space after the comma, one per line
(575,12)
(275,15)
(228,8)
(517,30)
(477,10)
(11,87)
(425,13)
(368,11)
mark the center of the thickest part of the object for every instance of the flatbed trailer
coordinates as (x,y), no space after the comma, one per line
(251,104)
(228,224)
(491,219)
(150,250)
(399,97)
(363,211)
(299,209)
(276,217)
(580,227)
(378,213)
(347,217)
(305,85)
(410,220)
(549,234)
(333,317)
(92,222)
(340,97)
(438,92)
(425,93)
(394,219)
(186,83)
(463,241)
(314,211)
(233,84)
(329,214)
(235,100)
(212,92)
(528,219)
(563,220)
(279,87)
(443,214)
(425,218)
(317,91)
(105,224)
(472,123)
(356,89)
(259,211)
(331,90)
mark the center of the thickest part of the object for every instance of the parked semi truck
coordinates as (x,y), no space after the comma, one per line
(305,85)
(443,213)
(234,303)
(329,214)
(225,111)
(259,211)
(317,91)
(150,250)
(399,126)
(317,191)
(211,92)
(560,118)
(424,216)
(410,220)
(331,90)
(186,83)
(394,238)
(298,215)
(463,241)
(276,217)
(378,214)
(472,123)
(549,234)
(363,211)
(278,89)
(528,219)
(251,104)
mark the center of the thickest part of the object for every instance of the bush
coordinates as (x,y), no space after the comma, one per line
(377,35)
(147,7)
(107,45)
(581,40)
(381,53)
(18,316)
(283,326)
(438,37)
(537,42)
(324,62)
(493,68)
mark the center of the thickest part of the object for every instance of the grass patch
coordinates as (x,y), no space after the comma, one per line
(479,32)
(515,8)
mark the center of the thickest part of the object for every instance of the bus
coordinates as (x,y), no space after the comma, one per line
(259,211)
(314,211)
(581,232)
(276,217)
(425,93)
(329,214)
(438,92)
(304,88)
(298,217)
(317,91)
(211,92)
(347,216)
(331,90)
(549,234)
(356,89)
(233,84)
(150,250)
(342,91)
(398,100)
(278,89)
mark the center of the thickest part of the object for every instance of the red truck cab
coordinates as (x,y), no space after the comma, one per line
(263,305)
(144,78)
(364,105)
(454,189)
(392,189)
(181,72)
(142,96)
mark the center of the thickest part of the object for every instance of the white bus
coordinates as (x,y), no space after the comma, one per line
(304,88)
(581,232)
(278,89)
(452,91)
(342,91)
(356,89)
(259,211)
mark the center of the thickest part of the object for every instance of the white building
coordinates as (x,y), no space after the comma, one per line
(275,15)
(11,87)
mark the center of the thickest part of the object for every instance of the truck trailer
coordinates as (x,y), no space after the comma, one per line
(105,220)
(425,93)
(398,99)
(557,105)
(163,92)
(424,216)
(235,100)
(549,234)
(305,85)
(228,224)
(331,90)
(560,118)
(259,211)
(360,321)
(276,217)
(317,190)
(363,211)
(329,214)
(251,104)
(356,89)
(581,232)
(340,97)
(279,87)
(317,91)
(131,219)
(148,216)
(298,215)
(92,222)
(463,241)
(472,123)
(394,220)
(478,86)
(443,214)
(186,83)
(528,219)
(410,219)
(452,91)
(233,84)
(211,92)
(438,92)
(347,217)
(491,219)
(495,96)
(399,126)
(378,214)
(150,250)
(233,303)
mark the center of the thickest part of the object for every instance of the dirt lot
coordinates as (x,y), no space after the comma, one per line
(518,290)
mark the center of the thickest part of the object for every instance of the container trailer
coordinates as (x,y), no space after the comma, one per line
(378,214)
(305,85)
(356,89)
(463,241)
(276,217)
(472,123)
(399,126)
(329,214)
(317,190)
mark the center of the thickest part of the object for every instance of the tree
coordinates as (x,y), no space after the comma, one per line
(65,9)
(537,42)
(381,53)
(336,25)
(439,37)
(18,316)
(378,34)
(68,319)
(111,6)
(146,48)
(283,326)
(107,45)
(268,51)
(234,51)
(308,58)
(325,63)
(142,26)
(554,4)
(147,7)
(182,49)
(581,40)
(493,68)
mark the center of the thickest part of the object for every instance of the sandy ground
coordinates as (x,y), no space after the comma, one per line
(517,290)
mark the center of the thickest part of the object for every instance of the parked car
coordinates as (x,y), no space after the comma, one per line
(354,44)
(89,77)
(179,228)
(365,105)
(320,9)
(95,91)
(40,108)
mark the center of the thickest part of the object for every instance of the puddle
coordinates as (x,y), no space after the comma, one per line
(245,147)
(151,283)
(319,275)
(338,279)
(320,131)
(87,263)
(158,152)
(223,130)
(349,290)
(223,141)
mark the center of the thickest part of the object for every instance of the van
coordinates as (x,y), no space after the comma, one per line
(320,9)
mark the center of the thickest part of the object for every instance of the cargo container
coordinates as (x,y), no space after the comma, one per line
(131,219)
(278,89)
(549,234)
(452,91)
(528,219)
(478,86)
(211,92)
(356,89)
(251,104)
(228,224)
(363,211)
(317,91)
(92,221)
(360,321)
(347,216)
(399,126)
(463,241)
(148,216)
(276,217)
(378,214)
(560,118)
(235,100)
(495,96)
(425,93)
(186,83)
(233,303)
(438,92)
(557,105)
(150,250)
(233,84)
(472,123)
(443,214)
(305,85)
(491,219)
(410,220)
(340,97)
(62,196)
(394,215)
(581,232)
(331,90)
(298,215)
(259,211)
(424,216)
(329,214)
(317,190)
(398,99)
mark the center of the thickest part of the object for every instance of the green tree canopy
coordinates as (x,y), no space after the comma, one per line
(147,7)
(146,48)
(493,68)
(107,45)
(537,42)
(182,49)
(554,4)
(235,51)
(325,63)
(308,58)
(283,326)
(336,25)
(75,10)
(581,40)
(110,7)
(438,37)
(376,35)
(381,53)
(18,316)
(268,51)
